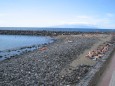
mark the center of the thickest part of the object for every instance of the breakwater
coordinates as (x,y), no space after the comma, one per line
(43,32)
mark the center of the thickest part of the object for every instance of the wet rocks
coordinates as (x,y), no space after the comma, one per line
(0,56)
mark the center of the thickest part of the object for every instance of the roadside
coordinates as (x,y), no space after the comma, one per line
(107,74)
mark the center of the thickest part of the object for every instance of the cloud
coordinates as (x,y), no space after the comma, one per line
(83,17)
(16,19)
(2,14)
(110,15)
(100,22)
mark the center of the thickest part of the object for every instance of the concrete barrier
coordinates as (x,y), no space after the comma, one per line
(95,73)
(112,81)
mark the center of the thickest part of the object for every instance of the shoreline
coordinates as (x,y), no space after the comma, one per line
(9,53)
(47,66)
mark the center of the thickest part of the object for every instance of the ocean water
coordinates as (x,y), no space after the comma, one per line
(17,41)
(13,45)
(59,29)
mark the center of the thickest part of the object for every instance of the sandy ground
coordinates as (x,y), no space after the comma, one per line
(82,59)
(57,64)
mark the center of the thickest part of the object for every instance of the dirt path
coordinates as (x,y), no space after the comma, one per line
(82,59)
(107,75)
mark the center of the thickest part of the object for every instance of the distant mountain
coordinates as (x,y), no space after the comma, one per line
(74,26)
(66,27)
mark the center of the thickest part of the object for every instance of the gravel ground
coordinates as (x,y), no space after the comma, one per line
(43,67)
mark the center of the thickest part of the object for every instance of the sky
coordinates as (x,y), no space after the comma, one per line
(48,13)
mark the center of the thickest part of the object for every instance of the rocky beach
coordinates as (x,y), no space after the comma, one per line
(61,63)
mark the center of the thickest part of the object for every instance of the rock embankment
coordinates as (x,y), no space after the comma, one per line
(37,32)
(43,67)
(44,32)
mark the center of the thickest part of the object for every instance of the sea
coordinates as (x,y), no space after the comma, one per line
(59,29)
(17,41)
(13,45)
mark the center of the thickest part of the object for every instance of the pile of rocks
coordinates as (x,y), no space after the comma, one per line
(99,52)
(76,75)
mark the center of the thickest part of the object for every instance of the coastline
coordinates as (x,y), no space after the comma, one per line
(53,63)
(9,53)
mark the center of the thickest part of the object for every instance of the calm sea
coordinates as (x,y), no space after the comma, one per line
(11,45)
(59,29)
(17,41)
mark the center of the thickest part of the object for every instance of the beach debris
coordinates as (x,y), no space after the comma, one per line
(69,41)
(43,48)
(99,52)
(45,56)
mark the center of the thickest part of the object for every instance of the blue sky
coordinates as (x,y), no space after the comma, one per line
(44,13)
